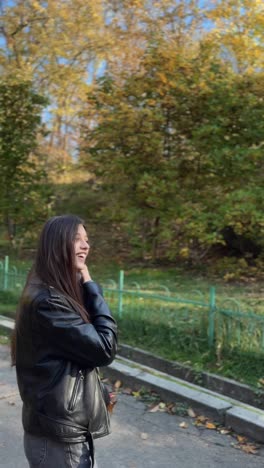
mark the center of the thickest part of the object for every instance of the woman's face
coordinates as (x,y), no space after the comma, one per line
(81,247)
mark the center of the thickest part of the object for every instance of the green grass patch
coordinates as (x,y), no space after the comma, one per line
(243,367)
(4,336)
(8,303)
(178,331)
(247,297)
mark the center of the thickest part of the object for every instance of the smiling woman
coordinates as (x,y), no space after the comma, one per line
(81,249)
(64,331)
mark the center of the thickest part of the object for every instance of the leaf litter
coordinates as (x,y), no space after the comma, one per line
(154,404)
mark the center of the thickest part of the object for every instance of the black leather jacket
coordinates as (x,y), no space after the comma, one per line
(56,358)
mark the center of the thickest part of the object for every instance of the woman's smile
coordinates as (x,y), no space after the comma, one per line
(81,247)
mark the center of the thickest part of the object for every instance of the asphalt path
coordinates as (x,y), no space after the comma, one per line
(139,438)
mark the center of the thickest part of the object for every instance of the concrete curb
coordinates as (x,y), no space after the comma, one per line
(216,383)
(241,418)
(7,323)
(168,388)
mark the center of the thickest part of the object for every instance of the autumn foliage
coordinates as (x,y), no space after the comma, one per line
(161,103)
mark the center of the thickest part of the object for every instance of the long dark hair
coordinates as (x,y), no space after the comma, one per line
(55,265)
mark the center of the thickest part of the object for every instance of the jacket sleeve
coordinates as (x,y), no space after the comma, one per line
(88,344)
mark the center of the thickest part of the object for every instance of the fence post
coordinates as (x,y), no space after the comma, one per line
(120,292)
(6,265)
(211,324)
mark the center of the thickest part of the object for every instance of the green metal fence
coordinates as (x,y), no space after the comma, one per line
(10,277)
(158,316)
(196,323)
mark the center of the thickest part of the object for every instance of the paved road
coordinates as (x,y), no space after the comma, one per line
(139,438)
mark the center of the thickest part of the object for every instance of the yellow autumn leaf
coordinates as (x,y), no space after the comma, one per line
(241,439)
(210,425)
(185,252)
(162,78)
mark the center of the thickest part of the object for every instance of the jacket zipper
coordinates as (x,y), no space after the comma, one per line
(73,399)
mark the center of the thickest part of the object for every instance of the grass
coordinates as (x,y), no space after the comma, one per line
(177,333)
(185,284)
(8,303)
(243,367)
(4,336)
(185,340)
(178,281)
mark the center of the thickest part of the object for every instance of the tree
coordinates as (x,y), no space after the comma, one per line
(58,46)
(173,143)
(63,46)
(22,193)
(238,31)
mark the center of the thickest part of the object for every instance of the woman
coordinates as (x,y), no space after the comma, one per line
(64,331)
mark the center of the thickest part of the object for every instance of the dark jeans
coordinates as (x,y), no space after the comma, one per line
(46,453)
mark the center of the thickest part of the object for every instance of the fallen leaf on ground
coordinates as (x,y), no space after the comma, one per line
(183,425)
(241,439)
(247,448)
(154,409)
(191,413)
(224,431)
(210,425)
(136,394)
(171,409)
(201,419)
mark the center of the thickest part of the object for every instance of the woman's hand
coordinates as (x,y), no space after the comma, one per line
(85,275)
